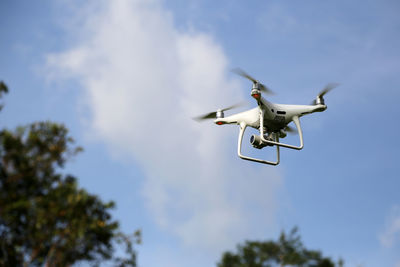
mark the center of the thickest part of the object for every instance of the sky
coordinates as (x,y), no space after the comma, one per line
(127,77)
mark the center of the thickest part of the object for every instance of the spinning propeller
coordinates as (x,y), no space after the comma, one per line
(256,83)
(320,96)
(217,114)
(290,129)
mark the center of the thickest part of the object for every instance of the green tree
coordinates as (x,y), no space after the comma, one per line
(287,251)
(3,90)
(45,218)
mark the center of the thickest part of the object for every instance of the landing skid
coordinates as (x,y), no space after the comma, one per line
(243,127)
(276,142)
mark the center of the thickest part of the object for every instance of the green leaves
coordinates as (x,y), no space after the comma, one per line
(45,218)
(287,251)
(3,90)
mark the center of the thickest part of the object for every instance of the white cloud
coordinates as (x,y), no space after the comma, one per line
(391,233)
(143,81)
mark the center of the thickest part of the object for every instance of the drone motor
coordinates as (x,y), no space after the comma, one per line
(255,93)
(219,114)
(320,97)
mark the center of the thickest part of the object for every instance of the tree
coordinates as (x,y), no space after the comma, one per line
(3,90)
(45,218)
(287,251)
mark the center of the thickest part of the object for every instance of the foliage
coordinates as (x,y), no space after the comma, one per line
(3,90)
(287,251)
(45,218)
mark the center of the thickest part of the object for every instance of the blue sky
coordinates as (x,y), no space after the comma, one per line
(126,77)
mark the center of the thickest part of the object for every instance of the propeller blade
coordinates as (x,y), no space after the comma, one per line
(327,88)
(240,104)
(242,73)
(211,115)
(265,89)
(261,86)
(290,129)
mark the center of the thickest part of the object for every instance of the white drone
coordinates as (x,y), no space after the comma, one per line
(269,118)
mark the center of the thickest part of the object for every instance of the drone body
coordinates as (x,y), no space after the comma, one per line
(269,118)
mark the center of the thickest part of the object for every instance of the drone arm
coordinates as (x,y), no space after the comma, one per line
(298,126)
(243,127)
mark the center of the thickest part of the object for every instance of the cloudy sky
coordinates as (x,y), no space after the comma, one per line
(127,76)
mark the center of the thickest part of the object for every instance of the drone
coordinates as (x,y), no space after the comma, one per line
(270,119)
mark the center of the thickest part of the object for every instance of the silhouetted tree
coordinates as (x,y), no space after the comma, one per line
(45,218)
(287,251)
(3,90)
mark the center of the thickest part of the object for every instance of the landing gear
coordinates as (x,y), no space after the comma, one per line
(271,139)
